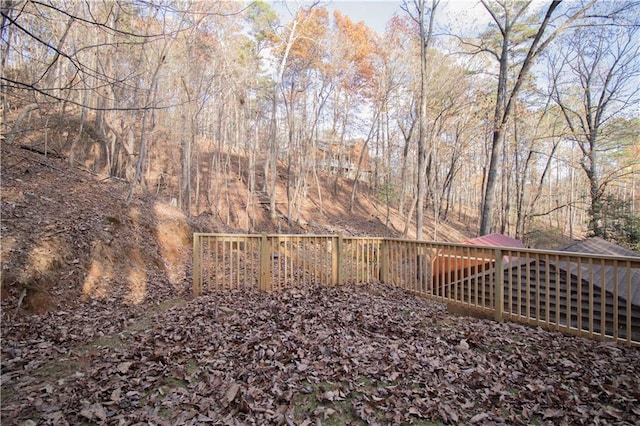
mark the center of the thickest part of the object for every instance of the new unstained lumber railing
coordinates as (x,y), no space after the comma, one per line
(582,294)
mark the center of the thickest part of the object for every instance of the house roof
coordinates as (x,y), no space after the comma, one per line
(495,240)
(602,275)
(623,274)
(458,260)
(597,245)
(329,144)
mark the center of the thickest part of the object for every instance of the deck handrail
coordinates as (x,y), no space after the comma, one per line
(586,294)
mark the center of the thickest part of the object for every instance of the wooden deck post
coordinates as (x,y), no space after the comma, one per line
(265,264)
(197,264)
(383,259)
(337,261)
(499,286)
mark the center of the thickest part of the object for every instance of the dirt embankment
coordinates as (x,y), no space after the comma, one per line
(68,237)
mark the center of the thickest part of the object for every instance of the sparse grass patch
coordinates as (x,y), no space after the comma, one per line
(111,341)
(146,321)
(329,401)
(61,368)
(113,220)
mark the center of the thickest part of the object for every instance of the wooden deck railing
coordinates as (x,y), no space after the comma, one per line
(587,295)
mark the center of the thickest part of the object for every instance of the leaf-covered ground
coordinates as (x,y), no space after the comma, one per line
(323,355)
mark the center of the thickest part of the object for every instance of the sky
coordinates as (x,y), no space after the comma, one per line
(462,15)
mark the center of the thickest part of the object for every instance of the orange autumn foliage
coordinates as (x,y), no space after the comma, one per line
(358,47)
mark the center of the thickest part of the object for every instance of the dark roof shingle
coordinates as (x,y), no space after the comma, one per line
(624,275)
(597,245)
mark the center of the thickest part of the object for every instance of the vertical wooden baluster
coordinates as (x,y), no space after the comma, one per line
(499,286)
(527,289)
(537,288)
(197,261)
(616,306)
(628,305)
(603,300)
(558,296)
(547,266)
(579,296)
(591,307)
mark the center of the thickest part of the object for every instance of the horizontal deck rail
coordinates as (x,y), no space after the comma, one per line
(587,295)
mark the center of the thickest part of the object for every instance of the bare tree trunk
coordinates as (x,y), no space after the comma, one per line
(273,162)
(407,134)
(187,141)
(251,185)
(571,207)
(365,147)
(596,188)
(407,220)
(425,41)
(108,92)
(6,36)
(142,150)
(273,151)
(18,123)
(504,103)
(488,202)
(78,138)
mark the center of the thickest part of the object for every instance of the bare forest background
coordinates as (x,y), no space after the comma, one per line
(531,125)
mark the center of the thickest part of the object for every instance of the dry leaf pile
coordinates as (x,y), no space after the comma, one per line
(322,355)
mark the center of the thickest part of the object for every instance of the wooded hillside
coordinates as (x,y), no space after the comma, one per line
(525,126)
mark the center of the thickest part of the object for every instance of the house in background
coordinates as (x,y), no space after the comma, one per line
(342,157)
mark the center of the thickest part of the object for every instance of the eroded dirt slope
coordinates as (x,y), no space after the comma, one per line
(68,237)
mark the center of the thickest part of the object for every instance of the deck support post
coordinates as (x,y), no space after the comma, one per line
(499,286)
(265,264)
